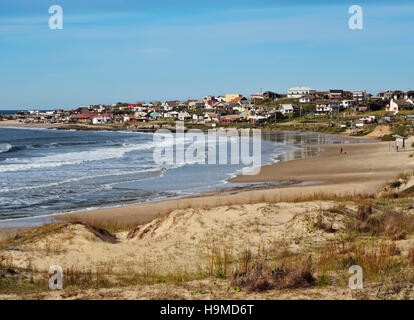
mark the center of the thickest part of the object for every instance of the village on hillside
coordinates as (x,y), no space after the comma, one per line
(326,111)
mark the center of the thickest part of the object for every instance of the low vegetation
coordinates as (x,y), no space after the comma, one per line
(373,232)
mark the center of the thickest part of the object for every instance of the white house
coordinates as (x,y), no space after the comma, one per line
(298,92)
(208,117)
(359,95)
(345,104)
(101,120)
(398,105)
(169,105)
(286,109)
(171,114)
(326,106)
(306,99)
(184,116)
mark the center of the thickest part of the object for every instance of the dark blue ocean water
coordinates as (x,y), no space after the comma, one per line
(45,172)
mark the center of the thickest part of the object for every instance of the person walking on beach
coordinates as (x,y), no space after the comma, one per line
(342,150)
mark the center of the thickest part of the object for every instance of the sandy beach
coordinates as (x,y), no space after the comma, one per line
(363,169)
(18,124)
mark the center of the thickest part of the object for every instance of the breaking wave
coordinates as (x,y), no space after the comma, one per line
(5,147)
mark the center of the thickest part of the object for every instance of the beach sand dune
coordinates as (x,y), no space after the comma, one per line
(179,244)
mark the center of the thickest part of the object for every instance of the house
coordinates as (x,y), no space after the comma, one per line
(134,106)
(398,95)
(184,116)
(336,94)
(231,118)
(199,105)
(171,114)
(238,99)
(298,92)
(359,96)
(326,106)
(209,104)
(271,95)
(322,95)
(410,94)
(286,109)
(345,104)
(89,118)
(307,99)
(208,117)
(245,104)
(97,108)
(256,96)
(232,96)
(82,117)
(82,110)
(399,105)
(347,95)
(102,119)
(169,105)
(155,115)
(209,98)
(221,108)
(192,103)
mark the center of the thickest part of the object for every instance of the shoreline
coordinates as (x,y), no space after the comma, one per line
(306,183)
(357,172)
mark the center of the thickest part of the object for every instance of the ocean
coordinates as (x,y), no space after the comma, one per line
(46,172)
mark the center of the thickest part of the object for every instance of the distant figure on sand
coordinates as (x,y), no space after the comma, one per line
(342,150)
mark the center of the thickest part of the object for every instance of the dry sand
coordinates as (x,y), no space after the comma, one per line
(183,244)
(363,169)
(167,244)
(18,124)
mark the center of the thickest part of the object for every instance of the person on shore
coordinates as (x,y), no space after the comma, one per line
(341,151)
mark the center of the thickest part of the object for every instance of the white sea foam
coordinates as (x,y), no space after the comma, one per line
(5,147)
(72,158)
(53,184)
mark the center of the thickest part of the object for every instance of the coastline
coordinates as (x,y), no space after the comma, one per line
(328,172)
(147,128)
(365,168)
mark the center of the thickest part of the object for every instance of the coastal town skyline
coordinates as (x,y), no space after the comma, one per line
(163,51)
(215,97)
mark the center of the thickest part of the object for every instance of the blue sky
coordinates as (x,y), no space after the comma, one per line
(126,50)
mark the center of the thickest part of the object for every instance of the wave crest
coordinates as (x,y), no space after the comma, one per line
(5,147)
